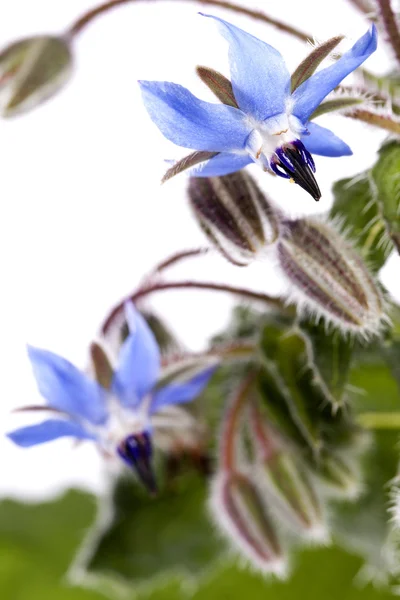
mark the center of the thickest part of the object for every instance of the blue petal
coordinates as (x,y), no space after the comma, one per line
(222,164)
(139,360)
(178,393)
(324,142)
(260,79)
(66,388)
(48,431)
(192,123)
(311,93)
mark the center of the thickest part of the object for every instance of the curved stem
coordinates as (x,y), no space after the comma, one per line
(231,424)
(389,22)
(175,258)
(377,420)
(387,122)
(89,16)
(198,285)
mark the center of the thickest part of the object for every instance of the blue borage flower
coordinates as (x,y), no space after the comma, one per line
(120,420)
(271,127)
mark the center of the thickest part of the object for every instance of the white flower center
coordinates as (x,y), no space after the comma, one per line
(271,134)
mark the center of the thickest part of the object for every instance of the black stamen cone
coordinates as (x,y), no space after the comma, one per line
(293,161)
(136,450)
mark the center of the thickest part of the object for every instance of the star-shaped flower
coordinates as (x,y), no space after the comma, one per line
(269,123)
(121,419)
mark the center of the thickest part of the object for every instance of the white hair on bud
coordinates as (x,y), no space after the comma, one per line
(225,525)
(365,320)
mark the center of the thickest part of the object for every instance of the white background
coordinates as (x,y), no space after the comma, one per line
(83,214)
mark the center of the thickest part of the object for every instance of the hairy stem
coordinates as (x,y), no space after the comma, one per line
(231,423)
(363,5)
(80,24)
(389,22)
(178,257)
(376,420)
(387,122)
(186,285)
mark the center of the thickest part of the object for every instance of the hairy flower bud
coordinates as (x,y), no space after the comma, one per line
(340,477)
(284,479)
(239,512)
(234,214)
(31,71)
(292,492)
(327,277)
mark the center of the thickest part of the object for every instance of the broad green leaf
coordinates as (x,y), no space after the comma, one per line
(297,392)
(330,354)
(363,525)
(37,545)
(323,573)
(386,177)
(153,537)
(356,209)
(286,360)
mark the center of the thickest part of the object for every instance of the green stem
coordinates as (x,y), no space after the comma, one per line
(81,23)
(387,122)
(378,420)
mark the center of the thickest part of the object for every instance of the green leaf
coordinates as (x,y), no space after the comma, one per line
(323,573)
(356,209)
(303,385)
(37,545)
(363,526)
(386,177)
(330,354)
(152,537)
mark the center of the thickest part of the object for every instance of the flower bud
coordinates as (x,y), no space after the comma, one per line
(239,512)
(284,479)
(340,477)
(292,493)
(327,277)
(234,214)
(31,71)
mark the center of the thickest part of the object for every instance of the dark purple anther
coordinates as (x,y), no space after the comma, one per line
(293,161)
(136,450)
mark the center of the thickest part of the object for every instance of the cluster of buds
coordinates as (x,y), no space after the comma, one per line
(256,495)
(324,274)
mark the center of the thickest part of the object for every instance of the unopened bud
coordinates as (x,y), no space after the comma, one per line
(340,477)
(31,71)
(234,214)
(292,493)
(284,479)
(239,512)
(327,277)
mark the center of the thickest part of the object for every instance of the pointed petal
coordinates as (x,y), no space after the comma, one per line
(48,431)
(192,123)
(139,360)
(222,164)
(179,393)
(324,142)
(66,388)
(311,93)
(260,79)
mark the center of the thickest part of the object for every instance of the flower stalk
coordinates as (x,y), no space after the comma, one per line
(80,24)
(390,24)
